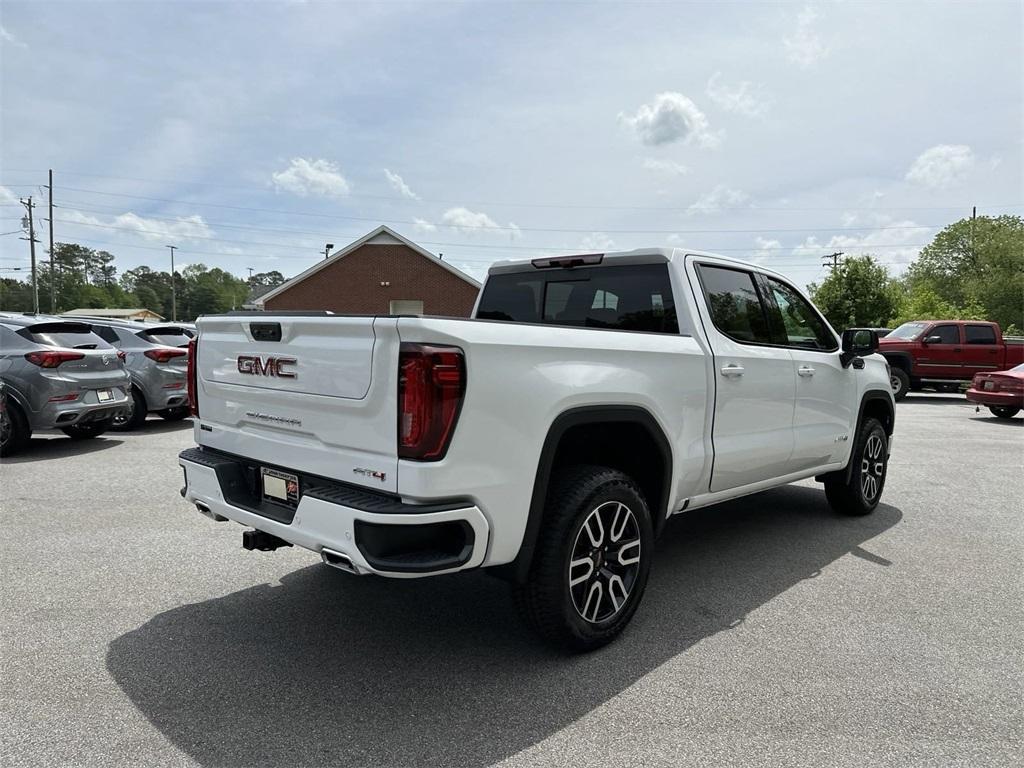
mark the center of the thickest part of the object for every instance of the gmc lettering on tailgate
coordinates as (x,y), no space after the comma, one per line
(254,365)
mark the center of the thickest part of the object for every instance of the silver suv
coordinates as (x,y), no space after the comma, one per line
(58,374)
(157,360)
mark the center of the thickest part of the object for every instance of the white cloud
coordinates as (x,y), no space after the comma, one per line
(804,47)
(320,178)
(422,225)
(668,167)
(597,242)
(7,37)
(468,222)
(766,248)
(895,242)
(718,198)
(6,196)
(942,165)
(671,117)
(398,184)
(182,228)
(743,99)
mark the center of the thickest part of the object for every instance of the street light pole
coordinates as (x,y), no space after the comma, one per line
(174,291)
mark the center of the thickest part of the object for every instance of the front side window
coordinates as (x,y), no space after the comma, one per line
(980,334)
(734,304)
(948,334)
(801,325)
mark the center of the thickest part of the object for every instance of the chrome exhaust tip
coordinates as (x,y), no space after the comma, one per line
(338,560)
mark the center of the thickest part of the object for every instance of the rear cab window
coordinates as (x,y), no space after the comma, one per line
(979,334)
(633,297)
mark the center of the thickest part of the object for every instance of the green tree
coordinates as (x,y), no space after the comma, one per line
(859,292)
(976,264)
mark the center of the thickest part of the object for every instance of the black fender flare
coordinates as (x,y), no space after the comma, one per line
(871,396)
(899,360)
(13,395)
(518,570)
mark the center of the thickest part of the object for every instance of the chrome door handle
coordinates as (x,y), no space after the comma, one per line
(805,370)
(732,370)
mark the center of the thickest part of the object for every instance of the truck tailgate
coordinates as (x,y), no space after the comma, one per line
(310,391)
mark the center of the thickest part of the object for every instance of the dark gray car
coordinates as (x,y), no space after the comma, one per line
(156,357)
(58,374)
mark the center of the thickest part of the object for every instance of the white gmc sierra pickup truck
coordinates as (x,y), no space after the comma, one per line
(548,438)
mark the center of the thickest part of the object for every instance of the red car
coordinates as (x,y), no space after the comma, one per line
(1002,392)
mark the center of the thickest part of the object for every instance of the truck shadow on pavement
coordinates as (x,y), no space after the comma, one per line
(330,669)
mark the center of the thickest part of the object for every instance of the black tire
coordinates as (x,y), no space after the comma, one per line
(1004,411)
(900,382)
(548,601)
(14,430)
(916,385)
(88,431)
(869,462)
(136,416)
(173,414)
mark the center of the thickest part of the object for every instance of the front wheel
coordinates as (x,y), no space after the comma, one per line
(88,431)
(1004,411)
(859,493)
(593,556)
(899,380)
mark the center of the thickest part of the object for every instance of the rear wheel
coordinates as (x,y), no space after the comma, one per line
(1004,411)
(88,431)
(134,416)
(859,493)
(14,430)
(900,382)
(592,560)
(173,414)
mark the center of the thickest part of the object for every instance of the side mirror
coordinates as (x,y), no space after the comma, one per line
(858,342)
(933,340)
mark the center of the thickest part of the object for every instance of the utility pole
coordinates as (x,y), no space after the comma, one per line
(974,215)
(53,283)
(834,257)
(174,290)
(32,250)
(327,250)
(251,270)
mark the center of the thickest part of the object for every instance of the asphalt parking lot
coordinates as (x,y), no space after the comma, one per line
(137,632)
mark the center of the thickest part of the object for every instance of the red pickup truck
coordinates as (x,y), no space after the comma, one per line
(946,351)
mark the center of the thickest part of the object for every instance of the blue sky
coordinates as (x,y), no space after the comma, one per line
(250,134)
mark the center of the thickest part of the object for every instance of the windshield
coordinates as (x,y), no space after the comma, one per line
(168,337)
(907,331)
(66,335)
(1018,368)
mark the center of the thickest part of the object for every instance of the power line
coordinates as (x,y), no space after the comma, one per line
(506,204)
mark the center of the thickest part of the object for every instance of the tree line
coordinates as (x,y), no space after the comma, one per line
(972,270)
(87,278)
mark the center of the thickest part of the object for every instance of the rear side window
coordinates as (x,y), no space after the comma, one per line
(65,335)
(801,325)
(168,337)
(980,334)
(623,298)
(734,304)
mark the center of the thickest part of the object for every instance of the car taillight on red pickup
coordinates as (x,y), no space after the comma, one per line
(431,386)
(52,358)
(164,355)
(193,389)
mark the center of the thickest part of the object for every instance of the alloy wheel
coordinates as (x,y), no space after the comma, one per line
(605,561)
(872,468)
(6,427)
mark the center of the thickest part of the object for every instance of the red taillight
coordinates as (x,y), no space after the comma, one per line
(193,389)
(162,355)
(52,358)
(431,384)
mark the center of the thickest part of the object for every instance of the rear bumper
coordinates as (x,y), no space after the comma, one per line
(83,411)
(984,397)
(378,533)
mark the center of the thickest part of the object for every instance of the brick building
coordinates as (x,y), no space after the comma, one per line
(380,273)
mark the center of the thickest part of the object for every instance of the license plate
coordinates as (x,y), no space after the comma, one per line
(989,385)
(104,395)
(280,487)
